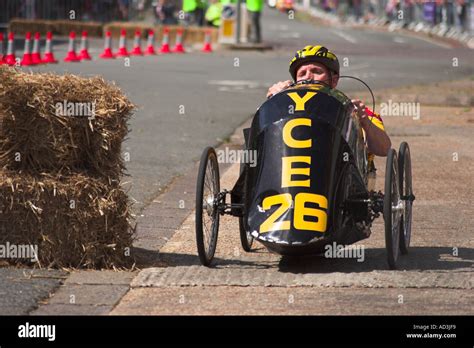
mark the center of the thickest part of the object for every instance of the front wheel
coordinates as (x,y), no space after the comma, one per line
(246,238)
(406,192)
(392,209)
(207,201)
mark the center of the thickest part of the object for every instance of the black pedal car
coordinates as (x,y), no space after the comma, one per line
(309,187)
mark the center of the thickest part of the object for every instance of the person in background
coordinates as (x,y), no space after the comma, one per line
(213,13)
(200,11)
(254,8)
(123,9)
(164,12)
(189,9)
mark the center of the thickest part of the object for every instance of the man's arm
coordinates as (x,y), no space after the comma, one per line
(378,142)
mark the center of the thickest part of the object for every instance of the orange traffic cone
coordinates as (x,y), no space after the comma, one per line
(36,55)
(178,47)
(26,61)
(10,58)
(84,54)
(207,43)
(122,51)
(107,53)
(150,49)
(48,51)
(71,53)
(2,53)
(165,47)
(137,46)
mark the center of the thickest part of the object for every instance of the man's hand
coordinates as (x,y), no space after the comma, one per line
(360,109)
(278,87)
(378,141)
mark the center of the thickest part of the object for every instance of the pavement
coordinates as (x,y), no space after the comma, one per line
(187,102)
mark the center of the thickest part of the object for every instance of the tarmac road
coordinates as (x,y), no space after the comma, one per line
(189,101)
(219,91)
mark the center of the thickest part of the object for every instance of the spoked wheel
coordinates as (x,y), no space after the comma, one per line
(392,209)
(207,201)
(246,238)
(406,192)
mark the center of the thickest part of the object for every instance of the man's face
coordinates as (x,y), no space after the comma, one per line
(316,71)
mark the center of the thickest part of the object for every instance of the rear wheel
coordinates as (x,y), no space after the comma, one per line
(392,209)
(406,192)
(207,201)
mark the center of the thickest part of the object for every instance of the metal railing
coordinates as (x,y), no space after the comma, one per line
(446,15)
(83,10)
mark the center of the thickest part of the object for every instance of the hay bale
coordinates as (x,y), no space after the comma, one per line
(75,221)
(36,138)
(130,28)
(58,27)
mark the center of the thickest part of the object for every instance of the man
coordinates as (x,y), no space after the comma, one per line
(254,9)
(318,63)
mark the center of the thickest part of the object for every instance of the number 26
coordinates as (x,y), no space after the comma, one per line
(285,200)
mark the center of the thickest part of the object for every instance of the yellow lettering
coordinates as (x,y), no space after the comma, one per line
(269,224)
(288,138)
(300,102)
(301,211)
(287,171)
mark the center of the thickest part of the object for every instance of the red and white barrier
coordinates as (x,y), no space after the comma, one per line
(2,52)
(107,53)
(27,61)
(71,53)
(137,45)
(48,51)
(207,42)
(84,53)
(150,45)
(178,48)
(165,42)
(122,51)
(36,55)
(33,57)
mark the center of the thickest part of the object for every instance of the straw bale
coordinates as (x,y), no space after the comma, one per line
(75,221)
(38,136)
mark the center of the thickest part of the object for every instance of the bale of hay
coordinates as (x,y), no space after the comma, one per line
(42,128)
(75,221)
(21,26)
(130,28)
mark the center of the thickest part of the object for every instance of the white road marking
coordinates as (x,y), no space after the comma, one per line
(290,36)
(431,41)
(398,39)
(358,67)
(233,83)
(344,36)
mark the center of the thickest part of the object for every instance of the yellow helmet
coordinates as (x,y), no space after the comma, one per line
(317,54)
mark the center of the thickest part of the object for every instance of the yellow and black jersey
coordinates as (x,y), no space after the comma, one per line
(378,122)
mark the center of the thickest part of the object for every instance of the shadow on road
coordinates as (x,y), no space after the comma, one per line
(418,259)
(150,258)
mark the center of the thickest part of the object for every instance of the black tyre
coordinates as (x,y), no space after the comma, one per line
(246,238)
(392,209)
(406,192)
(207,214)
